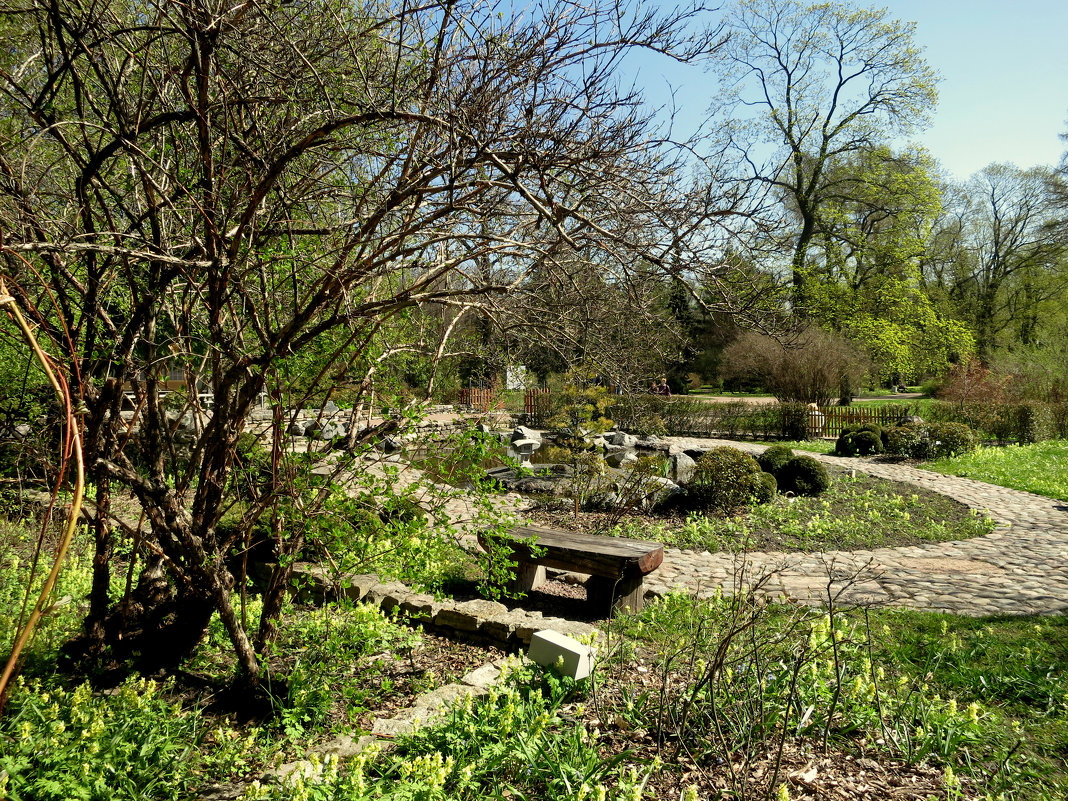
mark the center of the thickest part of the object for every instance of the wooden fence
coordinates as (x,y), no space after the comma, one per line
(685,417)
(536,405)
(480,400)
(835,418)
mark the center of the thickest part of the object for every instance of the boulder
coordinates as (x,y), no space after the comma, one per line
(682,467)
(332,430)
(659,489)
(299,428)
(391,444)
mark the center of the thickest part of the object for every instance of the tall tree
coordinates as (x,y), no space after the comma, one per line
(816,84)
(220,186)
(1009,252)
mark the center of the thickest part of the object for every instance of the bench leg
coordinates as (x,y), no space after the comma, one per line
(607,595)
(528,576)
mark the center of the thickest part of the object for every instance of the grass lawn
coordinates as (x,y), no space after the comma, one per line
(1041,468)
(808,445)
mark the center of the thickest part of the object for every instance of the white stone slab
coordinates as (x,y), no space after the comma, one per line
(566,655)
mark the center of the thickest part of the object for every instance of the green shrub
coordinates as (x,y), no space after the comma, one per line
(860,440)
(1030,422)
(794,417)
(772,460)
(933,441)
(132,744)
(803,475)
(764,487)
(722,480)
(951,439)
(909,440)
(1059,417)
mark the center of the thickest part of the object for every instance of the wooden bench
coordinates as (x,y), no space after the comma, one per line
(616,566)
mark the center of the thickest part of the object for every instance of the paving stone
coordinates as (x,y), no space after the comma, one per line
(1019,568)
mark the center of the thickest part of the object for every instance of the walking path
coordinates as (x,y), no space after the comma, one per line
(1020,568)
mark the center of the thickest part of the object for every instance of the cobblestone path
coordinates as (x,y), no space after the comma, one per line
(1020,568)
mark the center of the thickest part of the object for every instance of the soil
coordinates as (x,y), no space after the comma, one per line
(399,678)
(847,770)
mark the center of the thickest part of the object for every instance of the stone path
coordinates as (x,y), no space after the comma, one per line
(1020,568)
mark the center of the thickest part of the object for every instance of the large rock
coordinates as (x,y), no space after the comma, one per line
(299,428)
(682,467)
(332,430)
(622,438)
(659,489)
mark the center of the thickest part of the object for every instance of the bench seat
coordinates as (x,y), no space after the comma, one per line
(616,565)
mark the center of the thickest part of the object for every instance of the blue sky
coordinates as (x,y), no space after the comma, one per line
(1004,90)
(1004,93)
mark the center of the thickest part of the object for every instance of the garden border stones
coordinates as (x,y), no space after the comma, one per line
(477,620)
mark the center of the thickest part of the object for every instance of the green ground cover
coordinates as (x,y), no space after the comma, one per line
(808,445)
(855,512)
(962,708)
(1041,468)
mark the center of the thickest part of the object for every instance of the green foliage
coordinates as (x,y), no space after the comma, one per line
(764,487)
(133,744)
(1030,422)
(63,618)
(855,513)
(773,458)
(909,440)
(739,679)
(951,439)
(804,475)
(724,479)
(931,440)
(642,414)
(580,405)
(1013,670)
(384,533)
(522,739)
(866,439)
(1038,468)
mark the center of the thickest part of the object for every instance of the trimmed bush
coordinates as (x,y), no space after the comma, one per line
(794,420)
(772,460)
(951,439)
(1030,422)
(765,486)
(909,440)
(803,475)
(931,441)
(722,480)
(862,440)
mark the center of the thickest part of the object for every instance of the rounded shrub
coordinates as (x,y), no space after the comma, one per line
(860,440)
(910,440)
(867,443)
(951,439)
(764,487)
(772,460)
(722,480)
(844,445)
(803,475)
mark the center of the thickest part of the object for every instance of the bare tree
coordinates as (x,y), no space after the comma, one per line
(1008,254)
(224,186)
(806,86)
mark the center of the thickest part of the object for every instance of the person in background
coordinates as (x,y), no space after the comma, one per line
(661,389)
